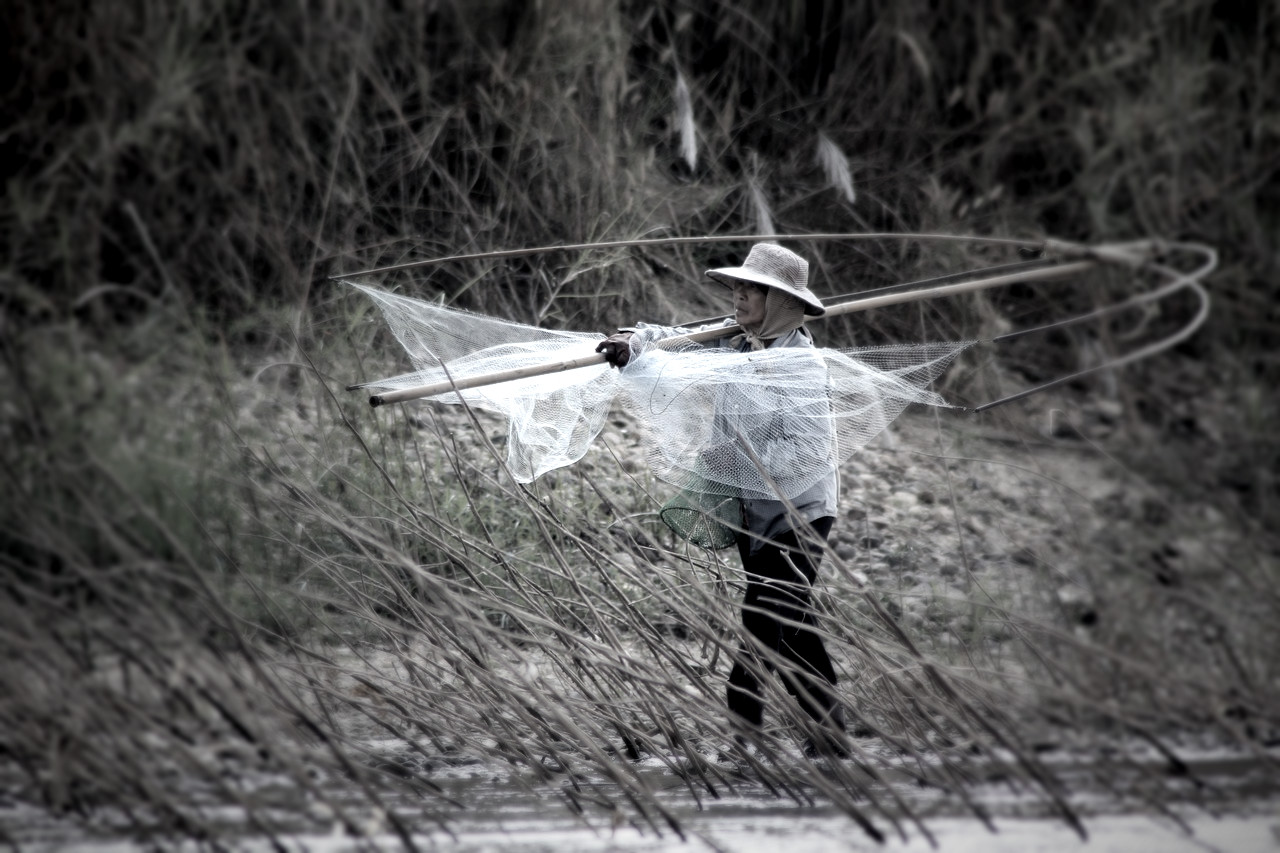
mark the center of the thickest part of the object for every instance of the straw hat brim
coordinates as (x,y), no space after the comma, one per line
(728,275)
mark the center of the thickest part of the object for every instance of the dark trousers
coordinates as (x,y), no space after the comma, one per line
(777,613)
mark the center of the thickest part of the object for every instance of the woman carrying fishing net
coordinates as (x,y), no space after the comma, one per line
(769,449)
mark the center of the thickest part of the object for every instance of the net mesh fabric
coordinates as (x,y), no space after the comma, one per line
(702,518)
(771,422)
(551,419)
(715,422)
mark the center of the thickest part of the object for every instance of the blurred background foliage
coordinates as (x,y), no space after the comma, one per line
(238,152)
(205,166)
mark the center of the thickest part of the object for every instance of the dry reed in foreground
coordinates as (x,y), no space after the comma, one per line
(444,617)
(195,573)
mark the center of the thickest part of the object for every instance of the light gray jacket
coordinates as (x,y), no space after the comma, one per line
(766,519)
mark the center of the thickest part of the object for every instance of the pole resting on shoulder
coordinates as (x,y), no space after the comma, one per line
(453,385)
(1077,258)
(1062,270)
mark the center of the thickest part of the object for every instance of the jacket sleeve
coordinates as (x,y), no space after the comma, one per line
(645,335)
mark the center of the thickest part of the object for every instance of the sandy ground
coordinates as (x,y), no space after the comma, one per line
(938,507)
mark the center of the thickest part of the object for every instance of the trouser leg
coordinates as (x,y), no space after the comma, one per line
(744,693)
(811,675)
(777,615)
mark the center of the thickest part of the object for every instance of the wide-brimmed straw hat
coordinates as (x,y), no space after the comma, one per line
(773,266)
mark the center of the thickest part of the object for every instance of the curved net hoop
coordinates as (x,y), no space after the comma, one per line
(763,424)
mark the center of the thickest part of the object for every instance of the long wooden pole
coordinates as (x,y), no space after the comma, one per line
(1063,270)
(644,242)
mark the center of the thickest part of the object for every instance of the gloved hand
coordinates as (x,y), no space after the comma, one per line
(616,349)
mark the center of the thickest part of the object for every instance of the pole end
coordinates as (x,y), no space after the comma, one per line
(376,400)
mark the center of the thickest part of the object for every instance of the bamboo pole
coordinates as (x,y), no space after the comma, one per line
(644,242)
(1063,270)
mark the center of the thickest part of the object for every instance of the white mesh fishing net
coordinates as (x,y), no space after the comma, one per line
(762,424)
(771,422)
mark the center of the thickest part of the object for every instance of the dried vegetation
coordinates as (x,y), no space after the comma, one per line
(235,599)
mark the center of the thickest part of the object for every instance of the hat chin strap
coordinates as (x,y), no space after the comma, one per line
(782,313)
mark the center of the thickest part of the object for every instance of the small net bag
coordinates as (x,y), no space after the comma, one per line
(707,520)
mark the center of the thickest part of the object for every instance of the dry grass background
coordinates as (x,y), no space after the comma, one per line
(213,557)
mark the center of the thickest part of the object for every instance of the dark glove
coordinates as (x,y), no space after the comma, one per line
(616,349)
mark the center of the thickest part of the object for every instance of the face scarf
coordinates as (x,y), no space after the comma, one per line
(782,313)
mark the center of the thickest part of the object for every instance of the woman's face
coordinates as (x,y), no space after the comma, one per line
(748,304)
